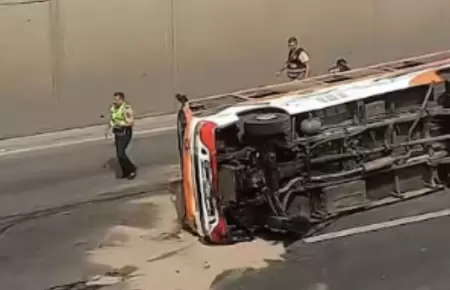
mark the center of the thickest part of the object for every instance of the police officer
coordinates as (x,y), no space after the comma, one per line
(121,124)
(297,63)
(341,66)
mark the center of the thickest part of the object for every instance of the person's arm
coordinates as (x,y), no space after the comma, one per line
(281,70)
(333,70)
(129,116)
(304,58)
(307,70)
(109,125)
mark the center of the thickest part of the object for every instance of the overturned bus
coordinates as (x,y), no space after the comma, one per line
(289,157)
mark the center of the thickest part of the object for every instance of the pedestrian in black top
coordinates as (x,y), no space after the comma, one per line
(297,63)
(341,66)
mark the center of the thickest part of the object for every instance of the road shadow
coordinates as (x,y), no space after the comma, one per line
(286,274)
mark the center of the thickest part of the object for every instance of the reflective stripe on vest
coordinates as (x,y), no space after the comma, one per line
(118,114)
(295,67)
(295,73)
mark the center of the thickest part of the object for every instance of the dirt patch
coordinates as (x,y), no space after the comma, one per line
(114,239)
(172,260)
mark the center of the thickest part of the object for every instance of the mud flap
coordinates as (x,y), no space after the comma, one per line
(298,225)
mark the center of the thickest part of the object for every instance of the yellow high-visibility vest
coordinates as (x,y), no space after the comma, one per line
(118,114)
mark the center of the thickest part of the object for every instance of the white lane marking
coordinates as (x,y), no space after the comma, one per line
(378,226)
(5,152)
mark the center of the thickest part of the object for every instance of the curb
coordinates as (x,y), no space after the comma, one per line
(130,192)
(159,185)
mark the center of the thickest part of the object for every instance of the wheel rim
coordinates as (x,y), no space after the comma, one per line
(266,117)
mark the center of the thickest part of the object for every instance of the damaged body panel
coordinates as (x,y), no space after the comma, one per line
(288,157)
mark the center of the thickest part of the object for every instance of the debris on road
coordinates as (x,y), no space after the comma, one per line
(110,278)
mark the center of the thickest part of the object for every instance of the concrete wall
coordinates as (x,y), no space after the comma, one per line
(62,60)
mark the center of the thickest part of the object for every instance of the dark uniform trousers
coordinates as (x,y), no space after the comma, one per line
(123,137)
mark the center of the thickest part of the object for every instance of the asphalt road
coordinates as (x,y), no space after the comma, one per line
(409,257)
(39,252)
(413,257)
(34,180)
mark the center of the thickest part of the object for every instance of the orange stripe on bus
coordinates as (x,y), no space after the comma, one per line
(188,187)
(426,79)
